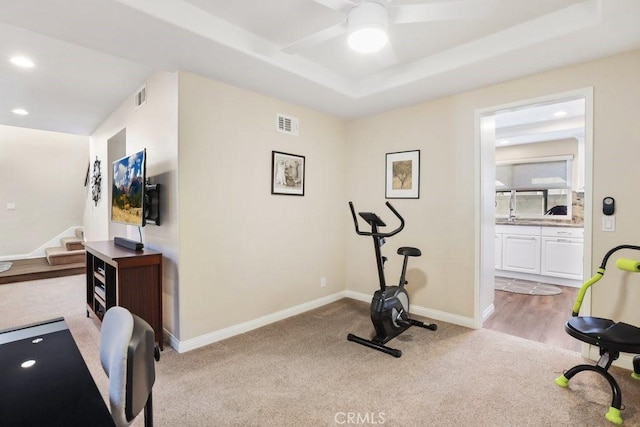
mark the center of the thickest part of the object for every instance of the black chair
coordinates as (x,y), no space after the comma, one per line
(127,345)
(611,337)
(557,210)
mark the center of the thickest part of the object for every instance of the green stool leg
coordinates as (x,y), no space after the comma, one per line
(614,416)
(562,381)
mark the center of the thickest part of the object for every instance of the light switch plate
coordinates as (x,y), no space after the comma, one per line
(609,223)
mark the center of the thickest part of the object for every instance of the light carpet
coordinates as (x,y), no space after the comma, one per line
(302,371)
(5,266)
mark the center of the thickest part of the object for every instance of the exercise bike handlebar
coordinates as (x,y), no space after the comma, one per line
(370,233)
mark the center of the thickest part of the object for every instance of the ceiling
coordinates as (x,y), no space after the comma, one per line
(549,121)
(90,55)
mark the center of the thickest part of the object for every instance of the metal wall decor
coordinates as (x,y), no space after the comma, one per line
(96,182)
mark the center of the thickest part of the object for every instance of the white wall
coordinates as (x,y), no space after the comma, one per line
(155,127)
(245,253)
(43,174)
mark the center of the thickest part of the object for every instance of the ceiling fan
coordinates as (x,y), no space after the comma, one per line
(375,16)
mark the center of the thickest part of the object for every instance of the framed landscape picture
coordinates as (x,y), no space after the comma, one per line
(287,174)
(403,175)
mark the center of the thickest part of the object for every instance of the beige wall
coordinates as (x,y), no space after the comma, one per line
(43,174)
(442,222)
(155,127)
(245,253)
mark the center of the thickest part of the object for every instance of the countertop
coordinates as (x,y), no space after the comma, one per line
(541,223)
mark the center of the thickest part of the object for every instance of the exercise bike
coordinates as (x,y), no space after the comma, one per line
(390,304)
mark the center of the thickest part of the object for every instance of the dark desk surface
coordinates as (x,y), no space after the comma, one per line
(57,390)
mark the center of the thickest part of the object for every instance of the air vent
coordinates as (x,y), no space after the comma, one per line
(287,124)
(141,97)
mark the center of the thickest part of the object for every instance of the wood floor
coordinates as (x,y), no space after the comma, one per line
(38,268)
(535,317)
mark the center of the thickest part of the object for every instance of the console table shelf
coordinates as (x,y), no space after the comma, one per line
(127,278)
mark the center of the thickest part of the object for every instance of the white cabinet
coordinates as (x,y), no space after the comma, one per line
(562,252)
(521,252)
(542,251)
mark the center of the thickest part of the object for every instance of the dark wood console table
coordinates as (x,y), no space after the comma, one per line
(127,278)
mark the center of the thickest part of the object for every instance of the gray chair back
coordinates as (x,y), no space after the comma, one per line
(127,357)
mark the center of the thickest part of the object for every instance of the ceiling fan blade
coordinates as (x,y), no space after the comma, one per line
(429,12)
(316,38)
(343,6)
(387,56)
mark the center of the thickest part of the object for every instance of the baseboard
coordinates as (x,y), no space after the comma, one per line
(16,256)
(210,338)
(488,312)
(467,322)
(203,340)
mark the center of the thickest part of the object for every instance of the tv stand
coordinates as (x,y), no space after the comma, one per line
(133,280)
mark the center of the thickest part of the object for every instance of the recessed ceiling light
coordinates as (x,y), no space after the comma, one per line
(559,114)
(20,111)
(22,61)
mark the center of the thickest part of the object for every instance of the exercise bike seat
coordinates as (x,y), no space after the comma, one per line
(605,333)
(407,251)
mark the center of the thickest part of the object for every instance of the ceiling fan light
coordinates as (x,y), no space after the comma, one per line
(367,27)
(368,40)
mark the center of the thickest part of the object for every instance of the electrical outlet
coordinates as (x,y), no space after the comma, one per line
(323,282)
(11,206)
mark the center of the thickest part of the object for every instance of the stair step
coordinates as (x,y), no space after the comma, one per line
(59,255)
(80,233)
(72,243)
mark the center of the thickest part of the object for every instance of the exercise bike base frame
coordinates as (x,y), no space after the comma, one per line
(379,344)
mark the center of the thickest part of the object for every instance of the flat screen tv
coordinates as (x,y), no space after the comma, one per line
(127,195)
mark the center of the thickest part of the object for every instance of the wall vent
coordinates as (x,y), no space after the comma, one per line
(287,124)
(141,97)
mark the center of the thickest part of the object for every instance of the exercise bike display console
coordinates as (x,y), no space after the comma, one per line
(390,304)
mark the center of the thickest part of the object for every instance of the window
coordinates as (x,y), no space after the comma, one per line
(534,188)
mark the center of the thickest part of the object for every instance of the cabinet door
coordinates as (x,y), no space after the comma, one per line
(498,251)
(562,257)
(521,253)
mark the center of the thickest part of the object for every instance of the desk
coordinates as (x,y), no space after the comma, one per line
(57,390)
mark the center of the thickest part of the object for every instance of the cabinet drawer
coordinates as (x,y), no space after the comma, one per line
(566,232)
(523,230)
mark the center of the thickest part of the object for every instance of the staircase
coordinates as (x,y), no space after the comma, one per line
(71,250)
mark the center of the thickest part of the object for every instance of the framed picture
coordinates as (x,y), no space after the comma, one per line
(287,174)
(403,175)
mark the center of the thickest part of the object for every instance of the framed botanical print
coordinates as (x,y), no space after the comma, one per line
(403,175)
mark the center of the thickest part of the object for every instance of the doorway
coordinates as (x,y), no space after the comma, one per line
(534,145)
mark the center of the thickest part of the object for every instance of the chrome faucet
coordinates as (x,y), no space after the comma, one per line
(512,206)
